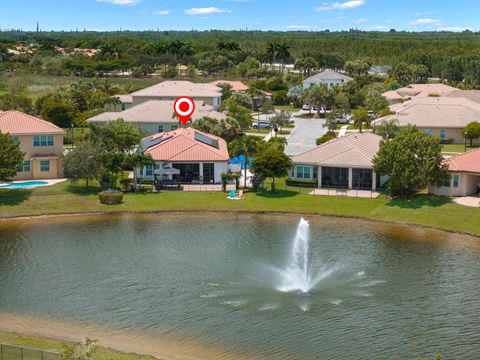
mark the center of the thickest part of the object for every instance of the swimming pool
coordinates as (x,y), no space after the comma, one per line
(23,185)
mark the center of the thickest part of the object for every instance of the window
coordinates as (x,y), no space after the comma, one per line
(45,165)
(455,181)
(25,167)
(427,132)
(315,173)
(303,172)
(43,140)
(443,134)
(208,173)
(149,170)
(174,127)
(15,139)
(124,107)
(446,183)
(160,128)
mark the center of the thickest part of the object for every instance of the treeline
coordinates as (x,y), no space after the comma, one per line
(449,56)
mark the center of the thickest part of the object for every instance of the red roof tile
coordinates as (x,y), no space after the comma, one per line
(181,145)
(466,162)
(18,123)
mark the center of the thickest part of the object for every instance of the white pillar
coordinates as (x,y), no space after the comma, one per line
(319,175)
(201,172)
(374,181)
(350,178)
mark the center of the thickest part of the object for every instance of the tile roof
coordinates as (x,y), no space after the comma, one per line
(156,111)
(126,98)
(18,123)
(473,95)
(355,149)
(420,90)
(237,86)
(179,88)
(328,75)
(466,162)
(444,112)
(181,145)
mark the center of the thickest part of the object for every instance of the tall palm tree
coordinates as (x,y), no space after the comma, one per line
(283,53)
(246,146)
(321,96)
(360,118)
(272,52)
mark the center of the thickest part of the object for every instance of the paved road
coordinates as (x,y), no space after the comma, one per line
(306,133)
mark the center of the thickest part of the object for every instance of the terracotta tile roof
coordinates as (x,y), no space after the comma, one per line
(182,145)
(355,149)
(466,162)
(237,86)
(443,112)
(179,88)
(156,111)
(18,123)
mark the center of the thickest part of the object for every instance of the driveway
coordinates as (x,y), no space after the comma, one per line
(305,135)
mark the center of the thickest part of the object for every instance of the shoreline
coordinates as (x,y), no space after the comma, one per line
(191,211)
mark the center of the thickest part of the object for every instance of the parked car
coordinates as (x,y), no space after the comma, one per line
(306,107)
(291,121)
(262,125)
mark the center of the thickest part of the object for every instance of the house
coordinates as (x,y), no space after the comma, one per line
(240,87)
(342,163)
(155,116)
(119,103)
(418,90)
(444,117)
(327,77)
(41,141)
(186,156)
(465,175)
(170,90)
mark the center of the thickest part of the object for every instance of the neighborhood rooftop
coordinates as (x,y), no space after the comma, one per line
(466,162)
(18,123)
(443,112)
(355,149)
(419,90)
(328,75)
(179,88)
(154,111)
(473,95)
(186,145)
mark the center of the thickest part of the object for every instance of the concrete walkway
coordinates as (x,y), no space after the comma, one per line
(471,201)
(347,193)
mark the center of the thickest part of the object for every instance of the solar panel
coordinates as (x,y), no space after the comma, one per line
(207,140)
(153,142)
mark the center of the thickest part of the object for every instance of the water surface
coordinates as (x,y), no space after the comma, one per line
(209,281)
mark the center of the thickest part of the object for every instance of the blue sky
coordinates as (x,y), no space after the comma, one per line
(411,15)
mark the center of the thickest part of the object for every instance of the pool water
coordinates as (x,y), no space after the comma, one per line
(24,185)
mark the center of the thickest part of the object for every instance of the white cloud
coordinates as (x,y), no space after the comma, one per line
(162,12)
(360,21)
(300,27)
(452,28)
(206,11)
(120,2)
(425,22)
(346,5)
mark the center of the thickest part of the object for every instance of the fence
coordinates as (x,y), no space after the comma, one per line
(11,352)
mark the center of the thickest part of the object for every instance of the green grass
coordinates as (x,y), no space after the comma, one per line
(65,198)
(289,108)
(457,148)
(339,126)
(35,342)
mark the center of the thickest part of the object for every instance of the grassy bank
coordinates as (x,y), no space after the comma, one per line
(66,198)
(57,346)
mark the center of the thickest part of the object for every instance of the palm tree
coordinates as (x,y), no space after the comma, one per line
(361,117)
(321,96)
(388,129)
(175,47)
(272,52)
(246,146)
(283,53)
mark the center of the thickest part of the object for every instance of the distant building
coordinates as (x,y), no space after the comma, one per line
(444,117)
(327,77)
(119,103)
(464,172)
(41,141)
(187,156)
(239,87)
(155,116)
(418,90)
(170,90)
(342,163)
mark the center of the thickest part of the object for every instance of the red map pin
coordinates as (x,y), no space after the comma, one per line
(184,107)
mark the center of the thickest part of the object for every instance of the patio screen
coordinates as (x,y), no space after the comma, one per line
(333,177)
(362,179)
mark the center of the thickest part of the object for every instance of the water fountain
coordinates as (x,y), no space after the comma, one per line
(299,275)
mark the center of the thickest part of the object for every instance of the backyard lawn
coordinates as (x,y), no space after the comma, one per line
(66,198)
(457,148)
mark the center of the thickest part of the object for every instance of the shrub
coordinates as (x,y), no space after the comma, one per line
(230,176)
(110,197)
(327,137)
(301,183)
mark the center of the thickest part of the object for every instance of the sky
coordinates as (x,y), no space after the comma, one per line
(281,15)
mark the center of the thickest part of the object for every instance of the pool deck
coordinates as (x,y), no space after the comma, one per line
(49,182)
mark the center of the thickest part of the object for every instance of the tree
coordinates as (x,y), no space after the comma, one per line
(280,119)
(227,129)
(18,102)
(271,162)
(11,158)
(412,161)
(226,90)
(246,146)
(361,119)
(116,136)
(241,99)
(375,102)
(388,128)
(137,160)
(241,114)
(83,162)
(321,96)
(471,131)
(61,113)
(306,65)
(114,163)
